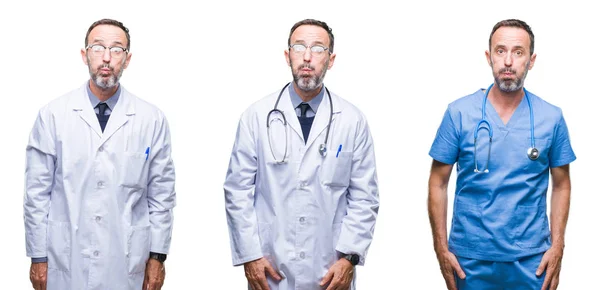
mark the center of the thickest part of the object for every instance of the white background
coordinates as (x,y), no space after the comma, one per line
(203,65)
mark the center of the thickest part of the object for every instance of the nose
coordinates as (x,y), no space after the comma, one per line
(106,56)
(508,60)
(307,55)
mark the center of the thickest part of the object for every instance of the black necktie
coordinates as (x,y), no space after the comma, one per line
(303,108)
(103,119)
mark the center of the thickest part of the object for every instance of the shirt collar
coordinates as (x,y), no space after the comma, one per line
(111,102)
(314,103)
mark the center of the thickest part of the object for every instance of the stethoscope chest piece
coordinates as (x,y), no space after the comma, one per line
(533,153)
(323,150)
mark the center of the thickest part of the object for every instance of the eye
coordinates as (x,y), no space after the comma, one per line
(299,47)
(97,48)
(519,53)
(500,51)
(317,49)
(116,50)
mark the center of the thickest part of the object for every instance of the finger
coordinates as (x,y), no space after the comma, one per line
(262,281)
(450,280)
(272,272)
(554,283)
(548,278)
(327,278)
(456,267)
(334,284)
(542,267)
(255,285)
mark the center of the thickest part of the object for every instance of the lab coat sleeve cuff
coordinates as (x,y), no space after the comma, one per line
(36,242)
(242,260)
(161,230)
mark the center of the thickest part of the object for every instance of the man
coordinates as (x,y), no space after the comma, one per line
(99,180)
(301,189)
(506,142)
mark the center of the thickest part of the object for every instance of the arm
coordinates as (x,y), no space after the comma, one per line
(39,180)
(437,205)
(559,213)
(239,198)
(363,198)
(161,190)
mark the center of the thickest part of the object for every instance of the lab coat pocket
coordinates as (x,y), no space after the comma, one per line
(336,170)
(59,245)
(133,173)
(138,248)
(531,227)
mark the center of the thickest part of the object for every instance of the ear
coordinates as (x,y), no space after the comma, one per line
(287,56)
(488,57)
(84,56)
(532,61)
(127,59)
(331,60)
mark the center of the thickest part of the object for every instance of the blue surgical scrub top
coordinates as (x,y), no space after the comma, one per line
(501,215)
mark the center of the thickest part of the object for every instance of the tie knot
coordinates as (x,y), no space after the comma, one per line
(101,108)
(303,108)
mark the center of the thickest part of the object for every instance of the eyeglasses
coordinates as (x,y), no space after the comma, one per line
(115,51)
(315,49)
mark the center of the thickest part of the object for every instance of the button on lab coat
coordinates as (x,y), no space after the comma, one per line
(97,203)
(302,214)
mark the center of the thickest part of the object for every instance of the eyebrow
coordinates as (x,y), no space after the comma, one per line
(101,41)
(304,42)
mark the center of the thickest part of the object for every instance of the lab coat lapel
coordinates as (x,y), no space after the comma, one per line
(321,121)
(290,112)
(81,104)
(124,109)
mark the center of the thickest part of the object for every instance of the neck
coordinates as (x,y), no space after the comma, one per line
(306,96)
(102,94)
(505,100)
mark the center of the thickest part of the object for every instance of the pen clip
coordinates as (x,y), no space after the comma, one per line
(338,151)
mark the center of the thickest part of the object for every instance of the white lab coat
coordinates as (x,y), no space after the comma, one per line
(302,214)
(95,204)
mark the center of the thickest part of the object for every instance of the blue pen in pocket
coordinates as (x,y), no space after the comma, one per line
(338,152)
(147,152)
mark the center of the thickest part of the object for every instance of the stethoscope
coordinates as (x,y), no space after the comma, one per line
(533,153)
(322,147)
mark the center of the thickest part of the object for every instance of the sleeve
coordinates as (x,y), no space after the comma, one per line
(239,198)
(358,225)
(39,181)
(445,147)
(161,190)
(561,152)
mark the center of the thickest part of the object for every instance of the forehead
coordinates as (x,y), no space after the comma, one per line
(511,36)
(107,34)
(310,34)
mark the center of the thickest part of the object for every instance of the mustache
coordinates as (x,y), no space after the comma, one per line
(507,69)
(112,69)
(308,66)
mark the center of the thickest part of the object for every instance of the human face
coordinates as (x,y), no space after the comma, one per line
(510,58)
(106,68)
(309,68)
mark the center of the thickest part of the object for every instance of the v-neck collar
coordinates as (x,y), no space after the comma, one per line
(517,115)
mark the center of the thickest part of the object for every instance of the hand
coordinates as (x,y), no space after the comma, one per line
(339,275)
(449,265)
(255,273)
(38,275)
(155,275)
(551,262)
